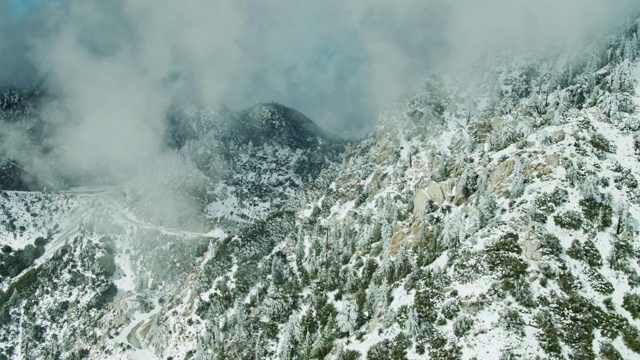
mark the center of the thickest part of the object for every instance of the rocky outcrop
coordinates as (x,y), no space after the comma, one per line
(531,249)
(556,136)
(437,192)
(501,172)
(419,202)
(552,159)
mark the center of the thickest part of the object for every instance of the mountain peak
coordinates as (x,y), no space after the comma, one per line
(276,122)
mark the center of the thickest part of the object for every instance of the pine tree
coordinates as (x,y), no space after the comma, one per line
(381,296)
(306,347)
(351,283)
(412,324)
(318,342)
(468,182)
(290,338)
(402,262)
(240,317)
(324,344)
(454,229)
(200,353)
(589,189)
(517,182)
(440,173)
(348,316)
(626,223)
(386,267)
(571,171)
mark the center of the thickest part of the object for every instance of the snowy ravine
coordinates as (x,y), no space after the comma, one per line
(493,215)
(91,267)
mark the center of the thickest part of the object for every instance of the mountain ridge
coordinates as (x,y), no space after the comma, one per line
(491,218)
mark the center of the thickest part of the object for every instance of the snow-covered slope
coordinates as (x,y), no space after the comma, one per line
(82,268)
(493,214)
(487,219)
(257,158)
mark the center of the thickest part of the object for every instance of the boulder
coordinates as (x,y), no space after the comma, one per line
(530,249)
(552,159)
(536,256)
(497,123)
(435,192)
(501,172)
(419,202)
(439,192)
(556,136)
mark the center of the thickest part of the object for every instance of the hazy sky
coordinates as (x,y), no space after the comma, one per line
(339,62)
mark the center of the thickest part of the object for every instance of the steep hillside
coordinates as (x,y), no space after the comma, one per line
(494,214)
(81,268)
(487,219)
(256,159)
(20,113)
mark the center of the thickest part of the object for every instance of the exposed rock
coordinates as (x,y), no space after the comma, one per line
(396,241)
(460,197)
(556,136)
(537,255)
(376,184)
(481,131)
(438,192)
(497,124)
(552,159)
(530,248)
(501,172)
(419,201)
(389,150)
(540,168)
(435,193)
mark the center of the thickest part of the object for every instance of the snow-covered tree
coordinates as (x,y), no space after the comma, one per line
(468,182)
(571,172)
(380,296)
(348,316)
(290,338)
(351,282)
(440,173)
(589,189)
(517,181)
(402,261)
(412,324)
(454,229)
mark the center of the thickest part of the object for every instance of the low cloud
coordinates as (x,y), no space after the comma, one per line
(114,67)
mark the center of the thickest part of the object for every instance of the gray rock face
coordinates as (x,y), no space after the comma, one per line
(556,136)
(501,172)
(552,159)
(419,203)
(530,248)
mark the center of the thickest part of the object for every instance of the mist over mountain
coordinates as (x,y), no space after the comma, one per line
(334,180)
(338,62)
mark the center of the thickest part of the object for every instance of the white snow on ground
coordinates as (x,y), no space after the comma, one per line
(124,276)
(142,354)
(36,214)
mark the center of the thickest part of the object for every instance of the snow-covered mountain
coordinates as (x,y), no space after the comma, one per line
(256,158)
(494,214)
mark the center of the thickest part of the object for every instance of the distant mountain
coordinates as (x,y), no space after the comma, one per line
(278,124)
(20,111)
(256,158)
